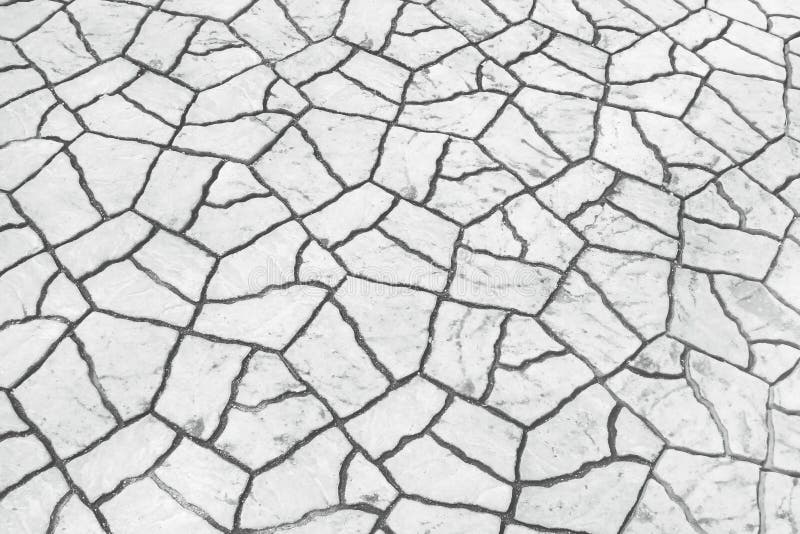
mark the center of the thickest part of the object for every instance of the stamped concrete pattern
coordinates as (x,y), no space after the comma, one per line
(399,266)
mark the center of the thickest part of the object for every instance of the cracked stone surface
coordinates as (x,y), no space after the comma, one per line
(399,267)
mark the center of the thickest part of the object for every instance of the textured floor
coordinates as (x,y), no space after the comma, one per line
(400,267)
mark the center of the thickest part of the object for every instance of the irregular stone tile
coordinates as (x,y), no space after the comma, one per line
(161,96)
(615,273)
(715,120)
(199,384)
(492,235)
(176,262)
(22,117)
(720,493)
(291,169)
(334,92)
(306,481)
(64,299)
(780,502)
(462,352)
(175,187)
(109,241)
(24,344)
(481,436)
(9,419)
(727,250)
(268,261)
(424,48)
(671,407)
(530,393)
(776,164)
(22,286)
(609,227)
(454,74)
(484,279)
(699,319)
(63,382)
(352,161)
(759,314)
(657,513)
(786,436)
(241,139)
(276,428)
(128,452)
(599,336)
(408,161)
(785,274)
(471,197)
(377,73)
(393,321)
(253,320)
(577,186)
(203,71)
(576,435)
(367,23)
(404,411)
(56,48)
(22,455)
(738,399)
(204,479)
(761,210)
(107,26)
(472,18)
(114,187)
(766,112)
(515,40)
(56,202)
(547,240)
(410,517)
(567,121)
(660,355)
(355,210)
(266,378)
(117,117)
(22,159)
(19,19)
(423,467)
(525,340)
(514,141)
(242,94)
(234,182)
(74,516)
(620,145)
(17,244)
(103,79)
(366,484)
(318,265)
(170,31)
(124,288)
(206,8)
(634,437)
(128,358)
(144,507)
(679,145)
(422,231)
(328,356)
(29,507)
(542,72)
(597,502)
(579,56)
(465,115)
(374,256)
(772,360)
(222,229)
